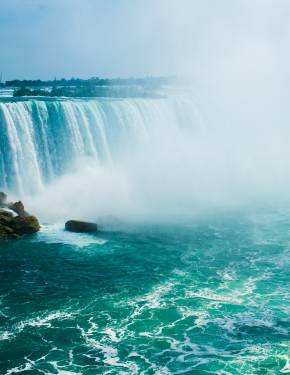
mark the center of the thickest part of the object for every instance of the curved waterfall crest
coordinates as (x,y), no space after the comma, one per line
(41,140)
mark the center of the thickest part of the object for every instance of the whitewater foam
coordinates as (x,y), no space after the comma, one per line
(55,233)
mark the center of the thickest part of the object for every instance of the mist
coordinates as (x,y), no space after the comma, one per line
(191,176)
(234,57)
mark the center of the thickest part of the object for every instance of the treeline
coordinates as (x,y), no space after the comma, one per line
(88,91)
(153,82)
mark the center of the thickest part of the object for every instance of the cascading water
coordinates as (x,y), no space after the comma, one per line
(41,140)
(180,296)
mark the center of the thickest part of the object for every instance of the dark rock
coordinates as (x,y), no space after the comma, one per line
(6,233)
(14,236)
(81,226)
(18,207)
(7,229)
(25,225)
(5,220)
(6,213)
(12,226)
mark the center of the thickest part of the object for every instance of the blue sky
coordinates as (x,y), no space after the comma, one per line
(64,38)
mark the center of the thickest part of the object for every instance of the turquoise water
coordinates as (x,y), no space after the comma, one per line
(206,297)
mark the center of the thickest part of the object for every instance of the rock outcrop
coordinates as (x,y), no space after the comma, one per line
(18,208)
(14,220)
(81,226)
(6,231)
(25,224)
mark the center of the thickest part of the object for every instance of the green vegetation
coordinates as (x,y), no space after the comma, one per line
(24,91)
(88,91)
(152,82)
(93,87)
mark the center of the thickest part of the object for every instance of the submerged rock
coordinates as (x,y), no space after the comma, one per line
(81,226)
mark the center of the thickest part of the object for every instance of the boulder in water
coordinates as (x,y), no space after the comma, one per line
(14,220)
(25,225)
(81,226)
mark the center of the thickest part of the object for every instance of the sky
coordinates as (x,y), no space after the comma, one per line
(121,38)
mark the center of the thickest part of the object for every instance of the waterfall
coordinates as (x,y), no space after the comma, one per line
(42,139)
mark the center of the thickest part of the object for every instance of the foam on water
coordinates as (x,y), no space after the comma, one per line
(217,305)
(56,233)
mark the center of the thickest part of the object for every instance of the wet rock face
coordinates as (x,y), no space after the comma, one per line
(25,225)
(6,231)
(18,208)
(5,235)
(81,226)
(14,220)
(5,218)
